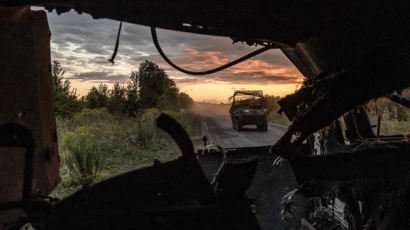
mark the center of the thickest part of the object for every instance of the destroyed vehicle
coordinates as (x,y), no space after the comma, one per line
(349,52)
(352,150)
(248,108)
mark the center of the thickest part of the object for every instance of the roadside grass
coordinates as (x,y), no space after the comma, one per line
(390,125)
(96,145)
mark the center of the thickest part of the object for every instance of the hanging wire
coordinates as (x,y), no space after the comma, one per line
(227,65)
(117,42)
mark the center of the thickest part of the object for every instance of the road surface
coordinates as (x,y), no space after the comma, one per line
(219,131)
(270,182)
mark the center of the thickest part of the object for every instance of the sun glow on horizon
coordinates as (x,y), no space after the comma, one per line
(82,45)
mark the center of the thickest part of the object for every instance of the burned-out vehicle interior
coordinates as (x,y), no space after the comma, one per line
(349,173)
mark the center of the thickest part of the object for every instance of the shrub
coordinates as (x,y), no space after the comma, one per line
(87,116)
(85,156)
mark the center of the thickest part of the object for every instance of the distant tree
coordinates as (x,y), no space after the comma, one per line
(401,113)
(116,102)
(134,79)
(271,103)
(65,98)
(97,97)
(184,101)
(156,89)
(132,105)
(391,111)
(169,99)
(148,87)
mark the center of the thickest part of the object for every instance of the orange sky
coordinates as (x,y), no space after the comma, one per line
(82,45)
(219,86)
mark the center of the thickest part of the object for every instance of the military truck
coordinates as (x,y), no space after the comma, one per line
(248,108)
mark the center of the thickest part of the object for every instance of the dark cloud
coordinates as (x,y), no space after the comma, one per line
(256,78)
(82,33)
(98,60)
(93,49)
(81,43)
(100,76)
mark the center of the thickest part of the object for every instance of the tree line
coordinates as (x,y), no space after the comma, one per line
(148,87)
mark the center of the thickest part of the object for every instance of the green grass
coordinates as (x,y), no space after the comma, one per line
(96,145)
(86,153)
(390,126)
(395,118)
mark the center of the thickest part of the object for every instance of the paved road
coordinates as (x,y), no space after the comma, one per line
(219,130)
(270,183)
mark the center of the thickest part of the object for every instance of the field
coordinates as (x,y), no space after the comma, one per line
(394,118)
(95,145)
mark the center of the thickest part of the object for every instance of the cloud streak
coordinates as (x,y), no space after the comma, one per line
(83,45)
(254,71)
(100,76)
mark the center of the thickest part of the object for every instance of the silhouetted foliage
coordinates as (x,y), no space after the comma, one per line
(271,103)
(184,101)
(117,100)
(156,89)
(401,113)
(65,98)
(97,97)
(132,103)
(149,87)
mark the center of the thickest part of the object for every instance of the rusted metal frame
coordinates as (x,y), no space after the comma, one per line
(282,22)
(362,123)
(233,180)
(181,20)
(14,135)
(379,121)
(401,98)
(220,216)
(328,95)
(391,140)
(371,163)
(358,122)
(238,154)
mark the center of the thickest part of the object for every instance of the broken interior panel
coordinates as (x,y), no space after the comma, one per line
(339,161)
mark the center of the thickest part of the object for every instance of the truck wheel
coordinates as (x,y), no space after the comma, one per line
(235,125)
(263,127)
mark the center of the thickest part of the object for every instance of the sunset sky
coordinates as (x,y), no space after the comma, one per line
(82,45)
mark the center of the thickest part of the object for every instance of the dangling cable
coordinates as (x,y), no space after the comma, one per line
(229,64)
(117,42)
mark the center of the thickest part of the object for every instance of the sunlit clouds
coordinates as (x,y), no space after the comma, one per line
(82,45)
